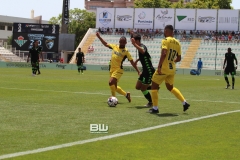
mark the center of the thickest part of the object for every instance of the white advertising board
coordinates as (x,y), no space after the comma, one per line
(185,19)
(143,18)
(163,17)
(206,19)
(228,20)
(105,17)
(124,18)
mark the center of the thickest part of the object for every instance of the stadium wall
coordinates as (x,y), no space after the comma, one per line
(67,66)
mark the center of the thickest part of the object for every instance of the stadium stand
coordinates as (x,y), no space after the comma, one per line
(8,56)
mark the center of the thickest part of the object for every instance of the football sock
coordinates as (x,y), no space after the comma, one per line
(147,95)
(226,79)
(155,108)
(178,94)
(149,87)
(120,91)
(233,80)
(155,97)
(113,90)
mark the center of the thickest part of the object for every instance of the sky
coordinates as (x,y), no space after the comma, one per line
(47,8)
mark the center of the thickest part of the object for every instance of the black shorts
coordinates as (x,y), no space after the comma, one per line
(35,63)
(146,76)
(79,63)
(230,70)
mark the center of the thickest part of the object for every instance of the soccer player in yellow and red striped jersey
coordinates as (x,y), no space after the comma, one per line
(170,54)
(119,54)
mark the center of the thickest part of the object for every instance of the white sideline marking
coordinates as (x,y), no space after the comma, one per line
(110,136)
(103,94)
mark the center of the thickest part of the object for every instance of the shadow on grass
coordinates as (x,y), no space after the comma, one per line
(140,107)
(167,114)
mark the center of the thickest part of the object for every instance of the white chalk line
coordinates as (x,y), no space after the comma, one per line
(97,93)
(39,150)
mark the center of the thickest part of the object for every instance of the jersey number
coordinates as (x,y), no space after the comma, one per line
(172,55)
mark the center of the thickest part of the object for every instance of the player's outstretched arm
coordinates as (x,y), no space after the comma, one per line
(135,66)
(102,40)
(139,48)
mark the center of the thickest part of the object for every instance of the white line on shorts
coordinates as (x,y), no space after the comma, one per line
(110,136)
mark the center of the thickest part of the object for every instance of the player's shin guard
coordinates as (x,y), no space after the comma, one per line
(226,78)
(147,95)
(120,91)
(177,94)
(155,98)
(113,90)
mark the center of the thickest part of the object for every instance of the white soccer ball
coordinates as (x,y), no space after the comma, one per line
(112,101)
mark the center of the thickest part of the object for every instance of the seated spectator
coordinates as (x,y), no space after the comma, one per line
(229,38)
(213,38)
(236,38)
(207,38)
(222,39)
(90,49)
(226,38)
(156,32)
(108,30)
(116,31)
(134,30)
(128,31)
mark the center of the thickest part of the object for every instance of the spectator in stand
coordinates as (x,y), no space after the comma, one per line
(222,39)
(236,38)
(226,38)
(156,32)
(224,33)
(206,38)
(116,31)
(197,33)
(100,30)
(230,38)
(134,30)
(90,49)
(108,30)
(213,38)
(128,31)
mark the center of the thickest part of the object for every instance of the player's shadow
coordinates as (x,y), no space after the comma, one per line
(139,107)
(167,114)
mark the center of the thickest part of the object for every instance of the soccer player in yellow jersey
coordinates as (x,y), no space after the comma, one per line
(170,54)
(119,54)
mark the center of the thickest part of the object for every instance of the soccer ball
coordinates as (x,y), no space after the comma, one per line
(112,101)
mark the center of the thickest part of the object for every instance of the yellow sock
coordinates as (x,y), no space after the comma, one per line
(120,91)
(178,94)
(155,97)
(113,90)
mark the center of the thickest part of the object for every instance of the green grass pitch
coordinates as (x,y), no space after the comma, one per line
(58,106)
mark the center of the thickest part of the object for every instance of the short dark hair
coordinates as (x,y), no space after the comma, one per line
(136,36)
(35,41)
(170,27)
(123,37)
(79,48)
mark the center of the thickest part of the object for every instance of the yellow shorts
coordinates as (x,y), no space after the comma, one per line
(168,78)
(116,74)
